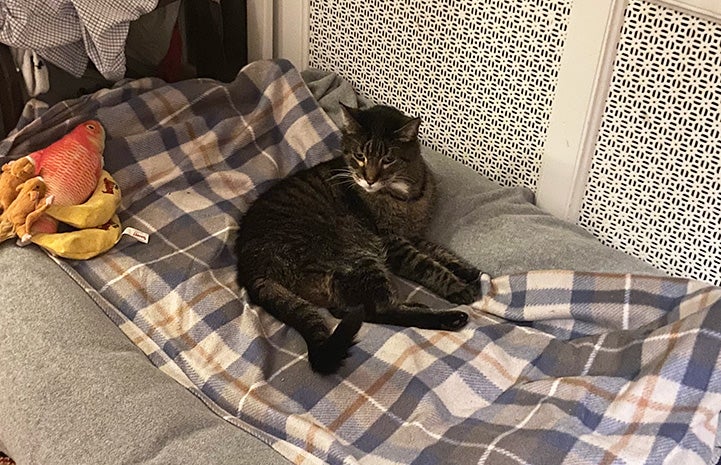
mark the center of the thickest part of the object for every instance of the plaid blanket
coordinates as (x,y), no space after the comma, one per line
(555,367)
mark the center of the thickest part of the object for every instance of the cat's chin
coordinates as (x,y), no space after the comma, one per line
(398,188)
(370,188)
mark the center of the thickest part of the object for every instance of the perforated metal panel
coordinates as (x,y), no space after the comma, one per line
(481,74)
(655,182)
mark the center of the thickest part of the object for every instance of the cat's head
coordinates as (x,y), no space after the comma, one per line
(381,149)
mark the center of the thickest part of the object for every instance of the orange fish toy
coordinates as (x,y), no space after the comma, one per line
(71,168)
(63,182)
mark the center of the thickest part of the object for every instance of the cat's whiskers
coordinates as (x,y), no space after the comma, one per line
(344,182)
(340,173)
(341,177)
(402,177)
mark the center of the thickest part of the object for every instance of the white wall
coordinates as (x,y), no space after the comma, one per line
(291,31)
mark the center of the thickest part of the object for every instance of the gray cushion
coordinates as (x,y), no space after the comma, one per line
(502,232)
(74,389)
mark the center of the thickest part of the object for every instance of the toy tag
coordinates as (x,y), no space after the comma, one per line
(138,235)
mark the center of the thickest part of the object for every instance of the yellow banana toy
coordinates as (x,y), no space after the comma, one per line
(83,243)
(98,226)
(96,211)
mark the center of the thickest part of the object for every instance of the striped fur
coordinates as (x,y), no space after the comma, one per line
(327,240)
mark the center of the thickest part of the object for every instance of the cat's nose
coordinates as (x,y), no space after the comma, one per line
(371,178)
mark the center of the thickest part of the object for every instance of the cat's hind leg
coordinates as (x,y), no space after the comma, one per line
(417,316)
(326,350)
(362,281)
(408,261)
(368,284)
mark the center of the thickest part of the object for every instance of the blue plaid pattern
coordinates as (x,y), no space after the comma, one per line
(555,367)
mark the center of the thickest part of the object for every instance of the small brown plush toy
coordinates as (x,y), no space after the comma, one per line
(13,174)
(27,207)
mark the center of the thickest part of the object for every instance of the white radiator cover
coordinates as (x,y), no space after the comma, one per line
(638,101)
(654,188)
(481,74)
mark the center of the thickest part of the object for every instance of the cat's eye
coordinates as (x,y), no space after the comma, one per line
(359,156)
(389,160)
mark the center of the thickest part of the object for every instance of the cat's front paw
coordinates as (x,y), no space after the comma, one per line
(465,294)
(453,320)
(464,272)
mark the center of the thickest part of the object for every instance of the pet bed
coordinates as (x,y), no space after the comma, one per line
(555,366)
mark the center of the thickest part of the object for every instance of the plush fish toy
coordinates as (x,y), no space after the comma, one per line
(70,168)
(64,182)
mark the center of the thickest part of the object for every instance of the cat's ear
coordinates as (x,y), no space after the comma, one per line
(409,131)
(350,123)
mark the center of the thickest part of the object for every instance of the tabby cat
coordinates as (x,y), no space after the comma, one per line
(330,236)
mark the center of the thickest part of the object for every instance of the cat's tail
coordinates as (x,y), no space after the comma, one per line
(326,350)
(328,357)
